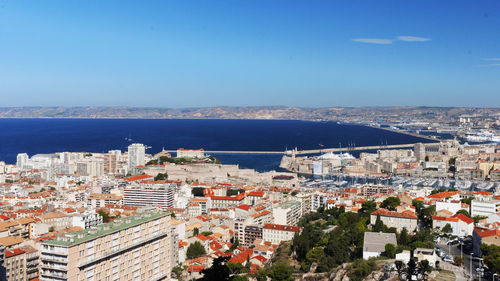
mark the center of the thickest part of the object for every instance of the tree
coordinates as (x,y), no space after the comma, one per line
(52,229)
(206,233)
(447,228)
(403,237)
(234,267)
(468,201)
(491,255)
(195,250)
(368,207)
(294,193)
(478,218)
(196,231)
(198,191)
(233,192)
(419,205)
(390,203)
(281,272)
(239,278)
(161,177)
(177,270)
(379,225)
(218,271)
(234,245)
(390,250)
(458,260)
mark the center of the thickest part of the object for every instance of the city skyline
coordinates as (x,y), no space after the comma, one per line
(293,53)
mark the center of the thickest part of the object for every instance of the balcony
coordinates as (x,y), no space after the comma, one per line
(54,274)
(53,259)
(123,249)
(54,266)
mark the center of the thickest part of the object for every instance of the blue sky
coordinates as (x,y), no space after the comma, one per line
(247,53)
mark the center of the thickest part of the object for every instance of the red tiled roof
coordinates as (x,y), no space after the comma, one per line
(282,227)
(202,237)
(196,268)
(256,193)
(139,177)
(487,233)
(464,218)
(14,252)
(245,207)
(242,257)
(387,213)
(444,194)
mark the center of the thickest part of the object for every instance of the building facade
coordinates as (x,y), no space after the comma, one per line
(138,247)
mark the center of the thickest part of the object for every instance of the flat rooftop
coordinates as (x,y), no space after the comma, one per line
(77,237)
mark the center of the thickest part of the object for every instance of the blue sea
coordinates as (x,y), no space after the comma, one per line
(101,135)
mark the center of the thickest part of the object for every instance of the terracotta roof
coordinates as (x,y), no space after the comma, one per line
(139,177)
(387,213)
(282,227)
(242,257)
(245,207)
(487,233)
(444,194)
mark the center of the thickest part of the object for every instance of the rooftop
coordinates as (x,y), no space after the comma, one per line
(75,238)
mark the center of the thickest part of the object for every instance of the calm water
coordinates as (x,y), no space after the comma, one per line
(100,135)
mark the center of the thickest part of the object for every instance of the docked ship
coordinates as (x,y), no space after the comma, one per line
(483,136)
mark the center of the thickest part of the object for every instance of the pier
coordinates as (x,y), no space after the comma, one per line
(310,151)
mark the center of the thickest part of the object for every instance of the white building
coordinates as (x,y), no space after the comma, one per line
(460,224)
(287,213)
(485,208)
(136,156)
(452,205)
(276,233)
(155,195)
(22,160)
(87,220)
(374,243)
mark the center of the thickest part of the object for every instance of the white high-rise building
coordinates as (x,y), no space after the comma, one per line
(136,156)
(22,159)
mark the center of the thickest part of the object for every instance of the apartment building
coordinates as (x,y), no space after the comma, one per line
(397,220)
(136,156)
(276,233)
(161,196)
(485,208)
(20,264)
(252,232)
(287,213)
(138,247)
(87,220)
(99,200)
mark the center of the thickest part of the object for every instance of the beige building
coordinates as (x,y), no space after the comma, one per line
(21,264)
(190,153)
(139,247)
(397,220)
(99,200)
(276,233)
(287,213)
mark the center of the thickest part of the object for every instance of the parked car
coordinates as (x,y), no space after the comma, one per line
(447,259)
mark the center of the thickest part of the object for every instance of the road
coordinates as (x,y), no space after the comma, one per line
(464,271)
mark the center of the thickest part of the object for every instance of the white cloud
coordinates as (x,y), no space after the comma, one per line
(490,59)
(373,41)
(491,64)
(412,39)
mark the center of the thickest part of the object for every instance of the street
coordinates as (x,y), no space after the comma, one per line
(454,250)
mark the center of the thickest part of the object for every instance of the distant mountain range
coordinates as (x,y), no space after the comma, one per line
(254,112)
